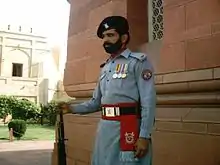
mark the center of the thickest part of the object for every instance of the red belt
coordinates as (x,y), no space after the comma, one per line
(128,115)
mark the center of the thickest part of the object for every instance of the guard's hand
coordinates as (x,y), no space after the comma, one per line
(141,147)
(64,107)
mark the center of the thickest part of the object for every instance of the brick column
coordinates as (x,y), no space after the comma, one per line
(85,52)
(188,78)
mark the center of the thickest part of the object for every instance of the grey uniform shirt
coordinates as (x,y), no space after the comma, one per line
(133,87)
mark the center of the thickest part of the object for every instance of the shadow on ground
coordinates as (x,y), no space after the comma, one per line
(27,157)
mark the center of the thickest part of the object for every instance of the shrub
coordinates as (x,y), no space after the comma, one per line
(19,108)
(25,110)
(49,112)
(19,128)
(6,105)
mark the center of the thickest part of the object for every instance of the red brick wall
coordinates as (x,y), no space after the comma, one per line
(191,35)
(188,113)
(187,129)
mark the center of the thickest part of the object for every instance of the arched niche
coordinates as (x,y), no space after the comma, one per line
(13,57)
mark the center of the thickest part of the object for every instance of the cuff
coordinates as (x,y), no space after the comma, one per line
(144,134)
(71,108)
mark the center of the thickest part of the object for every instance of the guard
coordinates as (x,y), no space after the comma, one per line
(126,96)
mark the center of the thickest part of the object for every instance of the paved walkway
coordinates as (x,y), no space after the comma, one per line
(26,153)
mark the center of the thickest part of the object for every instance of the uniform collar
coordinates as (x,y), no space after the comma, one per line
(126,53)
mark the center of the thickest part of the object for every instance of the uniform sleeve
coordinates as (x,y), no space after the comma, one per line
(90,106)
(145,81)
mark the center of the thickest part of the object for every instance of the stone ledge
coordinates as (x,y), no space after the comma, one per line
(186,133)
(188,127)
(187,81)
(216,73)
(189,99)
(188,76)
(181,126)
(179,94)
(197,75)
(214,129)
(189,115)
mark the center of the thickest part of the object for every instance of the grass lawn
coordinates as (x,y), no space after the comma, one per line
(33,132)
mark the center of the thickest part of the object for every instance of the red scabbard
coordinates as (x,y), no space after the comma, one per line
(129,127)
(129,132)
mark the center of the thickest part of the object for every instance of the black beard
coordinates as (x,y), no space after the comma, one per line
(112,48)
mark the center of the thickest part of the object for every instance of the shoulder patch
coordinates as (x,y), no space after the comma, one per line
(139,56)
(146,74)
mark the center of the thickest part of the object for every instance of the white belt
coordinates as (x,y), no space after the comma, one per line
(110,111)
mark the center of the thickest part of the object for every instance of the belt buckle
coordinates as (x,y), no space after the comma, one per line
(110,112)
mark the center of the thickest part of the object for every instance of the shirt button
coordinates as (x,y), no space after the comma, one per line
(113,61)
(107,80)
(110,71)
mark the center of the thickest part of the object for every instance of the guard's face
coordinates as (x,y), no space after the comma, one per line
(110,36)
(111,41)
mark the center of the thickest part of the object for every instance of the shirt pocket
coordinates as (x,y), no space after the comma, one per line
(120,83)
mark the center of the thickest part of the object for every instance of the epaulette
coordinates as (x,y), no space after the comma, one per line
(139,56)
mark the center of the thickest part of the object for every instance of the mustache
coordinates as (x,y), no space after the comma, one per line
(107,43)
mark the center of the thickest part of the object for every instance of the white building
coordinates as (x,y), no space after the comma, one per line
(29,67)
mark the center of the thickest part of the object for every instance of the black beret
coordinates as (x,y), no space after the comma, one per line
(119,23)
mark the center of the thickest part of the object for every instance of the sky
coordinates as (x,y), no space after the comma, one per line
(49,17)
